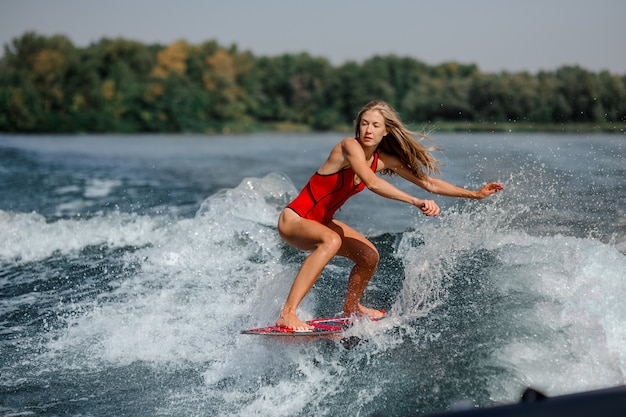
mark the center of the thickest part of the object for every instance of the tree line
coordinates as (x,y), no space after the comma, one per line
(117,85)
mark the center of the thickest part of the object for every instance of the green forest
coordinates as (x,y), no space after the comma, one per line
(48,85)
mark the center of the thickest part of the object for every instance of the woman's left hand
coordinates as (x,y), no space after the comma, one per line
(489,189)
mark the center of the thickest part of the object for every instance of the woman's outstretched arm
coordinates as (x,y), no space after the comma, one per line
(439,186)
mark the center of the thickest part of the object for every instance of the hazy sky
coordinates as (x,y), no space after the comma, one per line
(528,35)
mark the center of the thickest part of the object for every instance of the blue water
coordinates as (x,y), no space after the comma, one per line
(129,264)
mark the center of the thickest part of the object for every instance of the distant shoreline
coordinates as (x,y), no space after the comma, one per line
(427,128)
(530,127)
(445,126)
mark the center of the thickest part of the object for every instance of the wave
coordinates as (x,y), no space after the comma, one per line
(546,309)
(31,237)
(471,298)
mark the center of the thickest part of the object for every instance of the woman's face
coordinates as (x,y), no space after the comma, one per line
(372,128)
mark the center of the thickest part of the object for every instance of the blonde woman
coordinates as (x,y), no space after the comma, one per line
(382,143)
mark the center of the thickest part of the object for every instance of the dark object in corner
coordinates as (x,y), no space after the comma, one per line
(531,395)
(609,402)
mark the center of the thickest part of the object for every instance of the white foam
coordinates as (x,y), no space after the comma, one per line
(96,188)
(67,189)
(202,281)
(205,278)
(259,200)
(72,207)
(427,266)
(572,340)
(569,334)
(199,278)
(29,237)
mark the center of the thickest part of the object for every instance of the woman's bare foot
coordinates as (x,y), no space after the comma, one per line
(365,311)
(371,313)
(291,321)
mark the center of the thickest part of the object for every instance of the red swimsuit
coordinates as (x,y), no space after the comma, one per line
(325,194)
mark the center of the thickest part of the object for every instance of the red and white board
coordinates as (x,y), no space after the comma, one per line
(321,327)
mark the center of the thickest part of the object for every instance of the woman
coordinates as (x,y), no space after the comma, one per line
(381,144)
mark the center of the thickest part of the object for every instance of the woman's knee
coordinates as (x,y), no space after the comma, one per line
(372,258)
(331,242)
(367,258)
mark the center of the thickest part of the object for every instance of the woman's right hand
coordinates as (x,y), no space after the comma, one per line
(428,207)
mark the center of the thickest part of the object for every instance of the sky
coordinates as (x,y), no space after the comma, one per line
(496,35)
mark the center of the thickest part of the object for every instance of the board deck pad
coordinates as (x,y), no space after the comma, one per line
(321,327)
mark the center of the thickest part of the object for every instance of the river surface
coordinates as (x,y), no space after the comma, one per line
(130,264)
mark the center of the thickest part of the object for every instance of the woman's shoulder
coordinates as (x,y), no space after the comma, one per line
(348,143)
(349,140)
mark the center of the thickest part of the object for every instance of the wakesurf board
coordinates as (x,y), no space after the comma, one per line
(328,326)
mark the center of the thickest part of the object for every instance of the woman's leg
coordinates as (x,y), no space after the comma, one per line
(324,244)
(365,257)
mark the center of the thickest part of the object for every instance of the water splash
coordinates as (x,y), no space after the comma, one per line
(480,310)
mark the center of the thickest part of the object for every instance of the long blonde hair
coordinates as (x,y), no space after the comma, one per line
(400,141)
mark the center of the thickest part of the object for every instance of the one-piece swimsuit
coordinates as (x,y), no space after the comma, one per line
(323,195)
